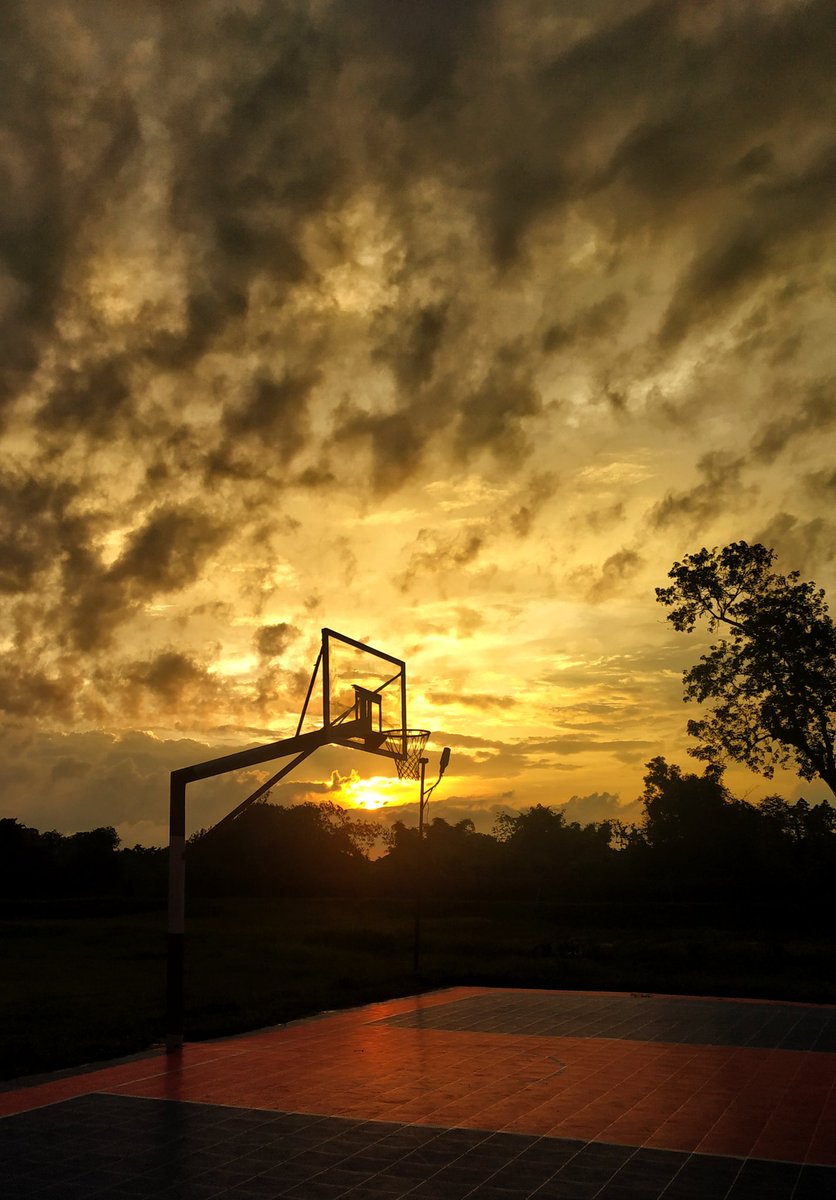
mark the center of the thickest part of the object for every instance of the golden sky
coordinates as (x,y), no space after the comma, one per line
(447,325)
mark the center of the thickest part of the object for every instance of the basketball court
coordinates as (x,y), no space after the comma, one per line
(498,1094)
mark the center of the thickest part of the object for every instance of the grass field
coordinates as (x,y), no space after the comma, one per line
(80,988)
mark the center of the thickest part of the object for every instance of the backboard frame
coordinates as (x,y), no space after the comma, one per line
(367,701)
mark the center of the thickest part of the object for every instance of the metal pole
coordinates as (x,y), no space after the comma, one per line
(419,872)
(176,911)
(302,745)
(325,659)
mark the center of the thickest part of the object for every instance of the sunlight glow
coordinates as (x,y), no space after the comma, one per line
(376,792)
(235,665)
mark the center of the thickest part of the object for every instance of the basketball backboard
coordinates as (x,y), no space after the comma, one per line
(353,680)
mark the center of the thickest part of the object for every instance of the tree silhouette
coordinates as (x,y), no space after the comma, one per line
(772,680)
(699,836)
(683,809)
(52,864)
(697,844)
(305,849)
(453,861)
(546,855)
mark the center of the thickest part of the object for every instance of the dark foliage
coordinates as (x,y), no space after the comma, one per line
(545,856)
(770,683)
(456,861)
(305,850)
(697,843)
(34,864)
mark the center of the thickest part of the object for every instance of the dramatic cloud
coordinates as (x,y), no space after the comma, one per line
(719,486)
(272,640)
(816,414)
(450,325)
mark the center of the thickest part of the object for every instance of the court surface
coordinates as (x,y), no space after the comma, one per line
(470,1092)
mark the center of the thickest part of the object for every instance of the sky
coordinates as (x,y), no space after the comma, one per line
(450,326)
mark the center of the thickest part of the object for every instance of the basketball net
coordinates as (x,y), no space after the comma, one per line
(412,741)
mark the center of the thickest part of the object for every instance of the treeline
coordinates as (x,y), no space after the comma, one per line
(696,843)
(52,865)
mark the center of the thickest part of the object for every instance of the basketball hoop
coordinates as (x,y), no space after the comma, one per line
(407,746)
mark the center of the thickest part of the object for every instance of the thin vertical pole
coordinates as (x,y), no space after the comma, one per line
(419,875)
(176,912)
(403,717)
(326,680)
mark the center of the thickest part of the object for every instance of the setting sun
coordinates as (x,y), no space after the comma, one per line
(369,800)
(376,791)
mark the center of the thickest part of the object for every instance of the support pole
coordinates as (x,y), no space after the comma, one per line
(302,745)
(258,793)
(176,911)
(419,875)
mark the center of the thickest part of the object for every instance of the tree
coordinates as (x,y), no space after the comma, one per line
(683,809)
(772,680)
(544,853)
(305,849)
(454,861)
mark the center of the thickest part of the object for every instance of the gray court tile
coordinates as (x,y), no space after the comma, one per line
(101,1147)
(635,1018)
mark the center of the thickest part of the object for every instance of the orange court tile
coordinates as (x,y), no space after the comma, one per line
(764,1102)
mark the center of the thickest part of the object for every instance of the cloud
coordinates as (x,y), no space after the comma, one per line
(595,807)
(531,500)
(271,423)
(39,525)
(299,791)
(803,545)
(616,570)
(38,694)
(598,806)
(816,414)
(821,483)
(90,401)
(481,700)
(171,679)
(81,780)
(455,547)
(409,343)
(496,415)
(167,551)
(492,757)
(436,552)
(396,442)
(423,45)
(628,749)
(597,321)
(720,488)
(69,768)
(452,809)
(271,641)
(48,193)
(521,191)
